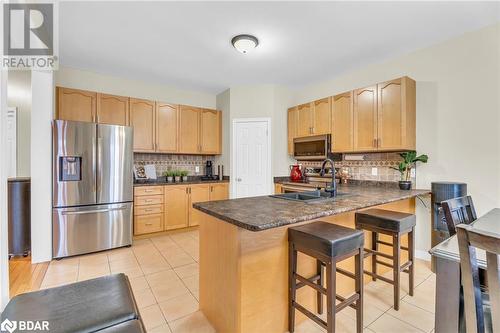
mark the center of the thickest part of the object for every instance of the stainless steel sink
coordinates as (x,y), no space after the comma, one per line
(309,196)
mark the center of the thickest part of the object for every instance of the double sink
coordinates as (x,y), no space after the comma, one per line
(308,196)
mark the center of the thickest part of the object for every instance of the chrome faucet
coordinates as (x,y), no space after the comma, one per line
(333,187)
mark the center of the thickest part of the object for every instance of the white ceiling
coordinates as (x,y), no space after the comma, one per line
(187,44)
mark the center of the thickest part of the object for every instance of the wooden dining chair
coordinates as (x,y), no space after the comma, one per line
(458,211)
(468,240)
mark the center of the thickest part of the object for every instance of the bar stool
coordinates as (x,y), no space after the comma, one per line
(327,243)
(394,224)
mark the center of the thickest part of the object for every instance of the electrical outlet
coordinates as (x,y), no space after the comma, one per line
(374,171)
(197,169)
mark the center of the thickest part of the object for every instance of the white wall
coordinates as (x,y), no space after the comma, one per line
(87,80)
(19,95)
(42,84)
(458,111)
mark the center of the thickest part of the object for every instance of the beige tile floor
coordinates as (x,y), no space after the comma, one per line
(163,272)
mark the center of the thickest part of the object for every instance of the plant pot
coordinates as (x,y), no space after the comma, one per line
(177,179)
(405,185)
(170,179)
(184,178)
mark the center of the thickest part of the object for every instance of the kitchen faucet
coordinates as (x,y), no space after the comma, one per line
(333,188)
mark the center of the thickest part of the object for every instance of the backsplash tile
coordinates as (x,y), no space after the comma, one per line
(164,162)
(362,169)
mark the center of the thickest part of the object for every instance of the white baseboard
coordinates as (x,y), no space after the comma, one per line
(424,255)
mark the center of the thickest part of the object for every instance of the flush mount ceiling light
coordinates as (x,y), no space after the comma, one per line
(244,43)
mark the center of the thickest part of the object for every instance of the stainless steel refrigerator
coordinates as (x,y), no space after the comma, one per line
(92,187)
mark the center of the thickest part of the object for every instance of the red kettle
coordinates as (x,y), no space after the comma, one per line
(295,173)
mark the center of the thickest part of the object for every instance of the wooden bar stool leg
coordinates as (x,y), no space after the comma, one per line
(292,267)
(358,271)
(374,256)
(396,266)
(331,271)
(411,257)
(319,296)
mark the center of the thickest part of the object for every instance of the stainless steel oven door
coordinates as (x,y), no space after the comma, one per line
(80,230)
(311,148)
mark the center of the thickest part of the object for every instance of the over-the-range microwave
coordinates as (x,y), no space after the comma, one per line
(311,148)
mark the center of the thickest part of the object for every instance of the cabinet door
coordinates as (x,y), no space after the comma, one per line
(189,125)
(76,105)
(142,119)
(342,122)
(304,120)
(322,117)
(292,128)
(219,192)
(167,116)
(198,193)
(210,131)
(176,207)
(112,110)
(365,119)
(396,114)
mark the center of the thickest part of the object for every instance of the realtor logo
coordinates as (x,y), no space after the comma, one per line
(28,36)
(9,326)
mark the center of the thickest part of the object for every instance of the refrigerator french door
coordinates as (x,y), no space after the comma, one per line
(92,187)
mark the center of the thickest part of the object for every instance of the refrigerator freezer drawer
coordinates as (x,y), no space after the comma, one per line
(80,230)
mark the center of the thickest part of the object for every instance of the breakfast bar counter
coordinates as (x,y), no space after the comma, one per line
(244,253)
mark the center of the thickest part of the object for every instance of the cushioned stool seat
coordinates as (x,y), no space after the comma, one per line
(326,238)
(86,306)
(385,219)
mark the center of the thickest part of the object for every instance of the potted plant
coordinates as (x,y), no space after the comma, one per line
(170,176)
(410,158)
(177,176)
(184,175)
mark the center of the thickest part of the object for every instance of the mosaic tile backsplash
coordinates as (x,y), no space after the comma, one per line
(164,162)
(362,169)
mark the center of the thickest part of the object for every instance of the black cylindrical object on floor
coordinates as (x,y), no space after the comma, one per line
(442,191)
(19,210)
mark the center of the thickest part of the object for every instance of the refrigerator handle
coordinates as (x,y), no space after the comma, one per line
(98,171)
(80,212)
(94,166)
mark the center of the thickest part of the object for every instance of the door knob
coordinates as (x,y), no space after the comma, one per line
(238,179)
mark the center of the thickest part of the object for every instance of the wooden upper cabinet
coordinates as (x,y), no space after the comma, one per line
(365,119)
(322,117)
(304,119)
(142,119)
(210,131)
(396,114)
(112,110)
(292,128)
(342,122)
(189,130)
(176,206)
(197,193)
(76,105)
(167,124)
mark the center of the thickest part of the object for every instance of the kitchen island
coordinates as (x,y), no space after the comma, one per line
(244,253)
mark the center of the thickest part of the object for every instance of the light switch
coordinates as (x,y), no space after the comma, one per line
(374,171)
(197,169)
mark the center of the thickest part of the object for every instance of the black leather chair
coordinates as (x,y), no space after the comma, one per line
(104,304)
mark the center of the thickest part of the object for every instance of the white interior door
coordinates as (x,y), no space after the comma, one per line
(12,142)
(252,164)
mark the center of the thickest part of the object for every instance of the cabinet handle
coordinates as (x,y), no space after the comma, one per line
(149,223)
(148,210)
(148,191)
(379,143)
(186,190)
(374,144)
(148,200)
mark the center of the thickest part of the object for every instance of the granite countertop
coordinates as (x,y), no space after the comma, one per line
(163,181)
(262,213)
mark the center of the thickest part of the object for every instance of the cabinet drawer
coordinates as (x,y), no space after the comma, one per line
(148,210)
(148,200)
(148,190)
(145,224)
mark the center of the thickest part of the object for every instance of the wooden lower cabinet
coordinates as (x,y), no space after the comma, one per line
(162,208)
(197,193)
(219,191)
(176,206)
